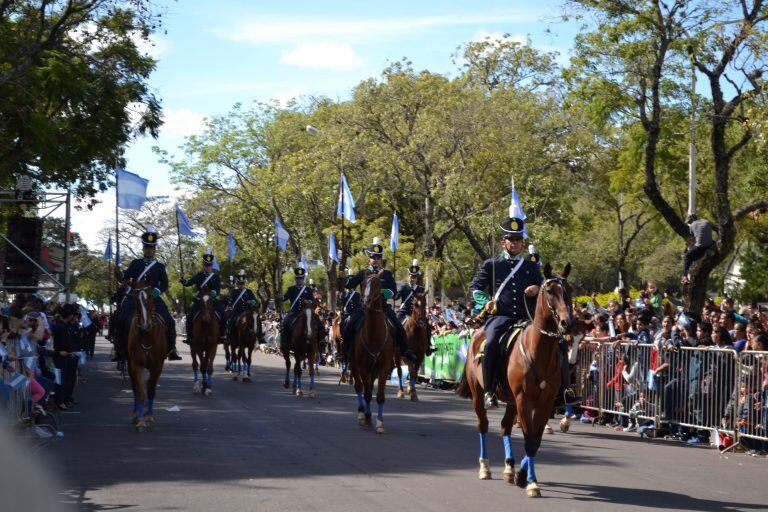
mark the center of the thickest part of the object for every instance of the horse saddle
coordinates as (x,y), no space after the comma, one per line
(507,341)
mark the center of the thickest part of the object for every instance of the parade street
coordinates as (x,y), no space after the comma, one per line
(257,447)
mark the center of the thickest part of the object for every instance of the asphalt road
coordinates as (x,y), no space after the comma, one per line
(257,447)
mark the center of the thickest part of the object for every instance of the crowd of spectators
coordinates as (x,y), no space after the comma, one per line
(645,342)
(44,347)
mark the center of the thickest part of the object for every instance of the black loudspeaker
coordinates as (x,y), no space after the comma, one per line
(27,235)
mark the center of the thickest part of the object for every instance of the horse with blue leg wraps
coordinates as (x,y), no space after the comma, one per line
(205,340)
(303,343)
(530,381)
(147,347)
(373,352)
(246,332)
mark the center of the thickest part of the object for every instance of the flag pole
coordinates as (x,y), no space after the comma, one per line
(343,254)
(278,290)
(117,218)
(181,260)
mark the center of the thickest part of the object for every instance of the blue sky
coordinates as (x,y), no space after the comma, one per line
(241,51)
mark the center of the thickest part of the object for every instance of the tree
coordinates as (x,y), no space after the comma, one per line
(634,61)
(73,89)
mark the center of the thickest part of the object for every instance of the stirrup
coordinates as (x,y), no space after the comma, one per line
(491,402)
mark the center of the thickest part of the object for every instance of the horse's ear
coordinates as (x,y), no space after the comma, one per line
(547,271)
(566,270)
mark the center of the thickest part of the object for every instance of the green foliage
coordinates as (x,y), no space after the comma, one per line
(91,95)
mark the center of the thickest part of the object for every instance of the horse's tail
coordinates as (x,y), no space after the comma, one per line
(462,388)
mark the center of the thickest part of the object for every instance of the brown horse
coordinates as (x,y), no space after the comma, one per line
(374,350)
(303,343)
(530,383)
(205,338)
(246,332)
(147,347)
(417,336)
(338,341)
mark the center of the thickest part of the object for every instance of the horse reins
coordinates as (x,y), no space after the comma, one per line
(367,302)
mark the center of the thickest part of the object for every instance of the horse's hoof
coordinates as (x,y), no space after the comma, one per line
(141,426)
(521,478)
(135,420)
(299,393)
(285,384)
(312,393)
(400,393)
(246,380)
(196,389)
(565,425)
(414,398)
(368,420)
(361,419)
(380,427)
(208,392)
(234,378)
(509,473)
(532,490)
(149,419)
(548,429)
(485,470)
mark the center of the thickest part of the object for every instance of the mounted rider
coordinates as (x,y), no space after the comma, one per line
(406,295)
(296,294)
(206,278)
(157,278)
(239,300)
(511,278)
(388,291)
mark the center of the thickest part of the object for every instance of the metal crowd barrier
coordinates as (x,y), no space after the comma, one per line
(18,401)
(699,388)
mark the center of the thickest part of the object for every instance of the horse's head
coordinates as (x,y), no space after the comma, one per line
(372,291)
(420,305)
(555,296)
(206,303)
(144,305)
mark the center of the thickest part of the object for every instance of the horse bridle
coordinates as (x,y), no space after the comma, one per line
(142,296)
(367,305)
(559,334)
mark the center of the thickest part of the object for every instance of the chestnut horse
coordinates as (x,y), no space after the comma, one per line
(530,383)
(205,338)
(247,330)
(147,348)
(303,343)
(417,336)
(346,374)
(374,350)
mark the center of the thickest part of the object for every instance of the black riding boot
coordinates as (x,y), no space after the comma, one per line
(188,328)
(172,354)
(490,373)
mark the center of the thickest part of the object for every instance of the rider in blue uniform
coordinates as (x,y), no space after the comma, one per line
(157,278)
(406,293)
(388,291)
(240,298)
(296,294)
(510,278)
(206,278)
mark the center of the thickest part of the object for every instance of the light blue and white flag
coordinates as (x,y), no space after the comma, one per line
(215,264)
(394,234)
(30,362)
(3,352)
(516,210)
(611,328)
(281,234)
(18,381)
(232,247)
(303,262)
(85,320)
(25,346)
(346,206)
(131,190)
(333,253)
(108,249)
(184,227)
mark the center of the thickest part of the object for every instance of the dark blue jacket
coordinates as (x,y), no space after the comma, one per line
(213,284)
(406,294)
(242,304)
(292,294)
(387,281)
(511,301)
(156,276)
